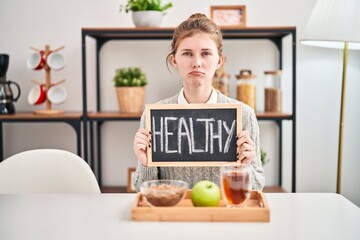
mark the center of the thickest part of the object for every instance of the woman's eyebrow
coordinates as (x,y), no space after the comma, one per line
(203,49)
(185,49)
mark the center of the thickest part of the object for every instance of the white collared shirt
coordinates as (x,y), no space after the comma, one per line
(212,99)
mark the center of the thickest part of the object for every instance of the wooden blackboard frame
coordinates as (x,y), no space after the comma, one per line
(170,163)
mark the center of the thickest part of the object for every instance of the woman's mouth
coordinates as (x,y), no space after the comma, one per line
(196,73)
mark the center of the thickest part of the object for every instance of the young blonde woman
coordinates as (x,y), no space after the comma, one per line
(196,55)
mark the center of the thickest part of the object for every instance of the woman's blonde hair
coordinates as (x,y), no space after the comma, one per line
(196,23)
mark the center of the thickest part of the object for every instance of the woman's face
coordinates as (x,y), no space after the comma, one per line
(196,60)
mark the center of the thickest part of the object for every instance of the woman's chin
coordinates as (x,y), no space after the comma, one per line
(199,82)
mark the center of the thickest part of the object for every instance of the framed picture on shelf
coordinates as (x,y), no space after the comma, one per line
(228,16)
(130,184)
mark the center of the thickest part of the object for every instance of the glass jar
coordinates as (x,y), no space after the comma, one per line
(273,94)
(246,89)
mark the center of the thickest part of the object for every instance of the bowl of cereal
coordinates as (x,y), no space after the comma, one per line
(163,193)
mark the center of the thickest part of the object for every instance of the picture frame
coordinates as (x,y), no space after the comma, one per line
(130,184)
(229,16)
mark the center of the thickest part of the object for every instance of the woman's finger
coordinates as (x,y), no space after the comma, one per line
(246,157)
(244,137)
(142,136)
(245,147)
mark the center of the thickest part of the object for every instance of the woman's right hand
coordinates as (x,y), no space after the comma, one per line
(142,141)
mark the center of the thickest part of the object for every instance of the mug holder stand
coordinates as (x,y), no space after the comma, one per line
(48,110)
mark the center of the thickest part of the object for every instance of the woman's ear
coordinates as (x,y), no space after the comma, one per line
(173,61)
(221,61)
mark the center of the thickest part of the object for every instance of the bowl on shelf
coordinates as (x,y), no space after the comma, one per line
(163,193)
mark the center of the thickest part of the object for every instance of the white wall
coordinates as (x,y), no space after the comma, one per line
(39,22)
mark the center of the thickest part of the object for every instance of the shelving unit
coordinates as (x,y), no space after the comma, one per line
(103,35)
(71,118)
(48,114)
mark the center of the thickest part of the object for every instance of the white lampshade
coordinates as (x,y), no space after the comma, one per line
(332,23)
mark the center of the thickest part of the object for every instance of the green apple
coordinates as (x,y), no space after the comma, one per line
(205,194)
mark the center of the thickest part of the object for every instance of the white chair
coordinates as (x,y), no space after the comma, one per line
(46,171)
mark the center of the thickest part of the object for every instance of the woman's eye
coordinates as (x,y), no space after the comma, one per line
(186,54)
(206,53)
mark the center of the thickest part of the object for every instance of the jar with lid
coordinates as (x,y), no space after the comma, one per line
(273,93)
(246,88)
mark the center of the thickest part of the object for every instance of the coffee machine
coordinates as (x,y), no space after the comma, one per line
(6,95)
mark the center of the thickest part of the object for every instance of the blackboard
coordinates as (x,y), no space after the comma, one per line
(192,134)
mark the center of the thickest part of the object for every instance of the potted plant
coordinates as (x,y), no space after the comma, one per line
(146,13)
(130,89)
(264,158)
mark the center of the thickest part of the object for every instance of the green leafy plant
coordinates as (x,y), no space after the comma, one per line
(264,158)
(145,5)
(130,77)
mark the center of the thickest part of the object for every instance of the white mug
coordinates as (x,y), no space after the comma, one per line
(56,61)
(36,60)
(57,94)
(37,95)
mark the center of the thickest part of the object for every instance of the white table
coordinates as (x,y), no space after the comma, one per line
(107,216)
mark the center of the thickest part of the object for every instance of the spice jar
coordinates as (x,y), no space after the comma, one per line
(246,89)
(273,94)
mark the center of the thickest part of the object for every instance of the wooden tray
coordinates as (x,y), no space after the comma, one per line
(257,210)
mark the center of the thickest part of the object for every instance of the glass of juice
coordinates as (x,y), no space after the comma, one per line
(236,184)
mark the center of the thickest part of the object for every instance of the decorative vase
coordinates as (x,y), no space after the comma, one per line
(130,99)
(147,18)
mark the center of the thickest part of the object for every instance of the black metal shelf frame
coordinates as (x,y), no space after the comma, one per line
(74,123)
(274,34)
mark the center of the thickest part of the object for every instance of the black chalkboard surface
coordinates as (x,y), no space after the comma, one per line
(192,134)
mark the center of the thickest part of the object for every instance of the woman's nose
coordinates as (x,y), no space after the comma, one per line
(196,62)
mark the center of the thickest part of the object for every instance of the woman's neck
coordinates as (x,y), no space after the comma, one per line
(197,95)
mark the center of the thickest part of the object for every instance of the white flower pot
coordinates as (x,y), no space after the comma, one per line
(147,18)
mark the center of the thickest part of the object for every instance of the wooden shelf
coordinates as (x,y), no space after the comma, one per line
(273,116)
(33,116)
(166,33)
(113,189)
(274,189)
(113,116)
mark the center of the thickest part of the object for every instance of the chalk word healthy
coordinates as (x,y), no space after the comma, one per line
(184,131)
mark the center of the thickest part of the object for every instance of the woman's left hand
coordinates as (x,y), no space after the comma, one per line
(245,148)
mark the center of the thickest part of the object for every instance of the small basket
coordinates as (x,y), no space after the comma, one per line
(130,99)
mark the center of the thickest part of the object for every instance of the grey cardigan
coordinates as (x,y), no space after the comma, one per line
(192,175)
